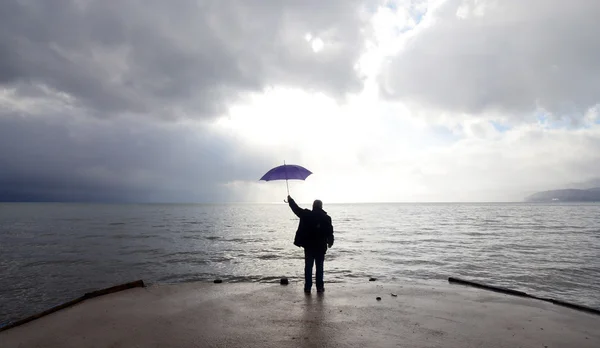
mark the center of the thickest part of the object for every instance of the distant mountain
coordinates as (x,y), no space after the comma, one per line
(567,195)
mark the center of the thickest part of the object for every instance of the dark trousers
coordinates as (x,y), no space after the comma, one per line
(313,257)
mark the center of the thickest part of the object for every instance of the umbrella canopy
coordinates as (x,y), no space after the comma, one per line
(287,172)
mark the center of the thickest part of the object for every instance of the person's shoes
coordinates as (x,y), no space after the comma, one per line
(321,290)
(307,291)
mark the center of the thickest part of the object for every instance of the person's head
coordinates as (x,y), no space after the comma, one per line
(317,204)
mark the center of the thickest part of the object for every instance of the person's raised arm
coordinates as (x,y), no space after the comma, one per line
(295,208)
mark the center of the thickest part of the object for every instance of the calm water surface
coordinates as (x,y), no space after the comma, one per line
(50,253)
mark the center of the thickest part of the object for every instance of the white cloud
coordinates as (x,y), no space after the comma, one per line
(507,56)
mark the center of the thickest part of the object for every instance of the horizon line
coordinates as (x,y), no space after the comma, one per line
(272,202)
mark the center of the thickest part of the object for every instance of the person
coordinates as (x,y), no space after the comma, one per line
(315,235)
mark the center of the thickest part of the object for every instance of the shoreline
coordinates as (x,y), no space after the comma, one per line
(140,283)
(251,314)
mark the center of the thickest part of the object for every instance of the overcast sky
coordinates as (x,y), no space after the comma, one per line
(194,100)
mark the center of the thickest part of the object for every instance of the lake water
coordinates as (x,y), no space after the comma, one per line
(51,253)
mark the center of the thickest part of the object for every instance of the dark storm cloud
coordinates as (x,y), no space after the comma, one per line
(159,57)
(62,159)
(509,55)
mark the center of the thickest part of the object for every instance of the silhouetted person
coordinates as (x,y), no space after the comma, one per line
(315,235)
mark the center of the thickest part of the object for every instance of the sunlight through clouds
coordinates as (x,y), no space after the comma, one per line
(361,145)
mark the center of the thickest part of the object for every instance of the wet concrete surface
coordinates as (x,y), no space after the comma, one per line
(346,315)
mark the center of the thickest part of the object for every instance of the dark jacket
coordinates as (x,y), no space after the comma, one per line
(315,230)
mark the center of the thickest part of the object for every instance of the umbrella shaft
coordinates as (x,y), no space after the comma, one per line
(286,180)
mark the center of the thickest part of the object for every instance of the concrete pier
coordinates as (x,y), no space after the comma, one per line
(347,315)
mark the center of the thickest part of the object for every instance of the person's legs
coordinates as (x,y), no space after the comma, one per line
(309,259)
(319,260)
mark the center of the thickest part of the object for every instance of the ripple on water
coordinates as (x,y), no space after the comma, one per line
(192,260)
(57,262)
(143,252)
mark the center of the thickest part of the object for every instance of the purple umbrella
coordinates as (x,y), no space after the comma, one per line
(287,172)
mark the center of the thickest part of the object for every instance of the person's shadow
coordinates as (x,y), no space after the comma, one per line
(313,325)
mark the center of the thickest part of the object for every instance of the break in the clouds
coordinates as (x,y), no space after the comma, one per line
(184,58)
(192,101)
(511,56)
